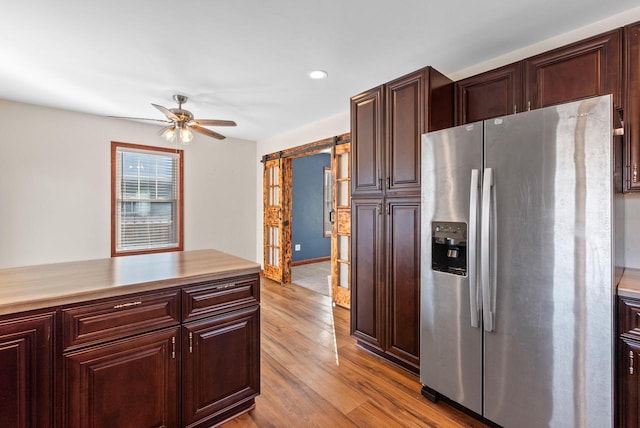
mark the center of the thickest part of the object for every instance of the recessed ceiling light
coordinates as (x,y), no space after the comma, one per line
(318,74)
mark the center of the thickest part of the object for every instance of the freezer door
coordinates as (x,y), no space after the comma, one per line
(548,361)
(450,347)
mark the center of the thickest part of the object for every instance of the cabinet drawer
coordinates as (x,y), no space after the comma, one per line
(118,318)
(209,298)
(629,317)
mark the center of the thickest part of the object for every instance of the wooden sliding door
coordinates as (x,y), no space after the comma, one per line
(277,213)
(341,228)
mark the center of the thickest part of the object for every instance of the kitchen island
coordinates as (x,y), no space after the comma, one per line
(169,339)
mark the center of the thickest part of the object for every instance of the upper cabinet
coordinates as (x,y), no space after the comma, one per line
(367,129)
(584,69)
(386,127)
(494,93)
(632,107)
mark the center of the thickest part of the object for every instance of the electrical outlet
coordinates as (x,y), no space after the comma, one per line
(297,247)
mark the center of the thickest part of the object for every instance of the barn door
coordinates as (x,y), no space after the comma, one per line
(277,230)
(341,228)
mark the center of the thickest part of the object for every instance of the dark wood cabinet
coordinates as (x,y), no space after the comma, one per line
(628,364)
(387,123)
(26,371)
(414,103)
(367,292)
(221,366)
(629,385)
(632,107)
(385,301)
(140,361)
(492,94)
(403,279)
(367,129)
(584,69)
(132,382)
(580,70)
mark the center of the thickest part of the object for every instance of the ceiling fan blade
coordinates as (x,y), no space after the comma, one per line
(214,122)
(140,118)
(207,132)
(166,111)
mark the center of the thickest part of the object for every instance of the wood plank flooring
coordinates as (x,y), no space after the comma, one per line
(313,375)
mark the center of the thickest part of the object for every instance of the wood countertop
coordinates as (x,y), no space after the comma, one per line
(629,285)
(45,286)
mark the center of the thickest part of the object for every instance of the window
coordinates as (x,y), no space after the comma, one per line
(146,199)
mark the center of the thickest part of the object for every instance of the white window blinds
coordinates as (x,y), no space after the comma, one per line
(147,199)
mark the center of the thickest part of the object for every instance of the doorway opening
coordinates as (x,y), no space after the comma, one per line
(322,210)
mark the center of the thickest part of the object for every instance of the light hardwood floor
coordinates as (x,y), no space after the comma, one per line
(313,375)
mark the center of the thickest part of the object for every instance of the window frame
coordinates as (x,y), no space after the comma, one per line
(114,200)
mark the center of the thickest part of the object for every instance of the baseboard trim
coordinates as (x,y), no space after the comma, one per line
(309,261)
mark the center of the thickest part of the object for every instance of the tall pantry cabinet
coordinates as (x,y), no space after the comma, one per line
(386,127)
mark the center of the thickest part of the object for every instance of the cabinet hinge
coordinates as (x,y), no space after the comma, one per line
(190,343)
(173,347)
(631,362)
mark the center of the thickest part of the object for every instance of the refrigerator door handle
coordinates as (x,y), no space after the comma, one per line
(471,246)
(485,250)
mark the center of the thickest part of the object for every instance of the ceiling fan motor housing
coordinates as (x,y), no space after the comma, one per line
(184,115)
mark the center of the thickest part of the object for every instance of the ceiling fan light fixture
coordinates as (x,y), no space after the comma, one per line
(170,135)
(185,135)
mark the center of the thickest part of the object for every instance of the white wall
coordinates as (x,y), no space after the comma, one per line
(55,186)
(326,128)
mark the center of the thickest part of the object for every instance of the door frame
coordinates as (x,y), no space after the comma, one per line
(287,156)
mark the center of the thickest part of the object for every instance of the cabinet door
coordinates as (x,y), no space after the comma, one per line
(26,370)
(585,69)
(406,122)
(403,279)
(367,134)
(367,298)
(494,93)
(632,107)
(221,368)
(128,383)
(628,385)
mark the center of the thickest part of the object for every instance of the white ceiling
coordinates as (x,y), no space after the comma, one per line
(247,60)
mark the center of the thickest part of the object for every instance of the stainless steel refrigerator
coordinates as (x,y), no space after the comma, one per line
(518,264)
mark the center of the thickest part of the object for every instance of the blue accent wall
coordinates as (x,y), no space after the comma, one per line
(306,216)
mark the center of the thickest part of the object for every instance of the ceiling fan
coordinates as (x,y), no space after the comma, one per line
(181,123)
